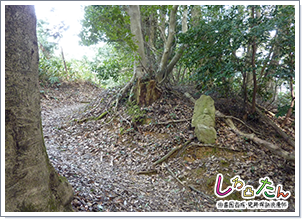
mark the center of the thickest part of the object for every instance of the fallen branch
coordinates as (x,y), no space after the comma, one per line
(267,111)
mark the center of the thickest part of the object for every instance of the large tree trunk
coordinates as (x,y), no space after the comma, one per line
(31,183)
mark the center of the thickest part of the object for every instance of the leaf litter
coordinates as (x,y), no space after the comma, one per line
(110,162)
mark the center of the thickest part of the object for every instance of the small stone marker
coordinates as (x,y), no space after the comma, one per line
(204,120)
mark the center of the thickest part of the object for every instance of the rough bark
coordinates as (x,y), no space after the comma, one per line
(147,92)
(31,183)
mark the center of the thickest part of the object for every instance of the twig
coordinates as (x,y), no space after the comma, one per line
(206,196)
(123,119)
(146,172)
(171,172)
(112,161)
(189,186)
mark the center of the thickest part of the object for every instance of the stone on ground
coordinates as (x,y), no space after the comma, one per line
(204,120)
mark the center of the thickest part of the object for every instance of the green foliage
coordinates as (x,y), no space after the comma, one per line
(109,69)
(219,47)
(112,67)
(107,23)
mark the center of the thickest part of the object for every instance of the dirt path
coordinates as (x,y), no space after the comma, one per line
(102,174)
(101,161)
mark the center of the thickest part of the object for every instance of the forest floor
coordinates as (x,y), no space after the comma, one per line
(111,161)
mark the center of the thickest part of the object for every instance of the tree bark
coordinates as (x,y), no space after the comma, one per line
(136,30)
(292,104)
(253,60)
(168,44)
(179,53)
(31,183)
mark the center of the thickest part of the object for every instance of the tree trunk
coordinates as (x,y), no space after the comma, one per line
(31,183)
(289,112)
(168,44)
(253,60)
(135,26)
(62,54)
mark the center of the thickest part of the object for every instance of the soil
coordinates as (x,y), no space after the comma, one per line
(110,160)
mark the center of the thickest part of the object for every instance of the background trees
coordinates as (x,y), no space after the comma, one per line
(248,50)
(241,49)
(31,183)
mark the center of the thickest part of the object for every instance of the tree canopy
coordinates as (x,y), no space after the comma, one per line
(243,49)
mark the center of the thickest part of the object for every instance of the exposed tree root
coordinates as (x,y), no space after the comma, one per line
(122,93)
(273,148)
(171,152)
(93,118)
(242,123)
(212,145)
(167,155)
(279,130)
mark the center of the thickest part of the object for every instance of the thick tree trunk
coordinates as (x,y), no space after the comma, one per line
(31,183)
